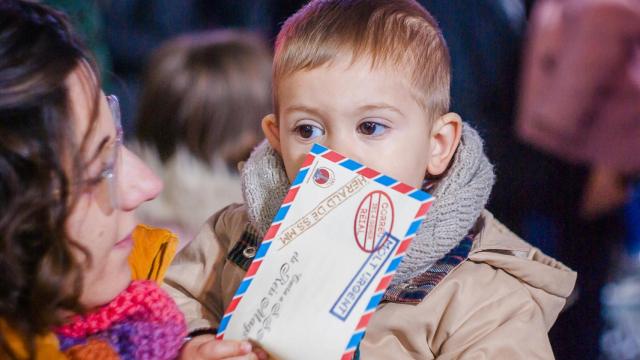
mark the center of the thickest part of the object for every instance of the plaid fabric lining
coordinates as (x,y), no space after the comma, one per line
(245,249)
(416,289)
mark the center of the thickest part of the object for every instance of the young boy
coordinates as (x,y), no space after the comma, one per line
(370,79)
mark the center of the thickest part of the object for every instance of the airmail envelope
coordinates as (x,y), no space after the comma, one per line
(324,264)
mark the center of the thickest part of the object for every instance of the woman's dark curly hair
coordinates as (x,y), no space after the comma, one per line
(39,159)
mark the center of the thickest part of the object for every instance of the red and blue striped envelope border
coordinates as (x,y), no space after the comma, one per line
(318,150)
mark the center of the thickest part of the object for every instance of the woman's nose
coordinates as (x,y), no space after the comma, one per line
(137,182)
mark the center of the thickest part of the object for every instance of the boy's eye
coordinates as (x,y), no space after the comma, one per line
(371,128)
(308,131)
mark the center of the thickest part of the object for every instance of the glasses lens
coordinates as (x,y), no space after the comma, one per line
(114,106)
(111,171)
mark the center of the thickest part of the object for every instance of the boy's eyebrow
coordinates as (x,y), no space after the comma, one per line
(380,106)
(303,108)
(361,109)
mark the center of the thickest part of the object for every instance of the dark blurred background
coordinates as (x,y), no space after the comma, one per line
(536,195)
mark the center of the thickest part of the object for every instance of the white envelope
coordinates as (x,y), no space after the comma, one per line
(326,261)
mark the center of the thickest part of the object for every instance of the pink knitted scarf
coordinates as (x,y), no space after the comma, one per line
(142,322)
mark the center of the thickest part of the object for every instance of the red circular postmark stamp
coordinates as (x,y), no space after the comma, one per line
(374,219)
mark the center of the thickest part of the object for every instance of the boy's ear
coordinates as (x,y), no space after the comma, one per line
(445,137)
(271,131)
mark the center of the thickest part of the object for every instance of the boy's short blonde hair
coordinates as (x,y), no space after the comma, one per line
(399,33)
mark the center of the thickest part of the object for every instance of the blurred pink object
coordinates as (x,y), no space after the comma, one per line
(580,95)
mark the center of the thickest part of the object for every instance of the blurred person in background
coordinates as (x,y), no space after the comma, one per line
(137,27)
(581,86)
(580,103)
(200,108)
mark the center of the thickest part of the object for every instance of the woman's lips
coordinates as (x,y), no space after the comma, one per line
(125,242)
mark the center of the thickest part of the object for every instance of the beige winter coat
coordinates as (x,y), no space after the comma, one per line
(498,304)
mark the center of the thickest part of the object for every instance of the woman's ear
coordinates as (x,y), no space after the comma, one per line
(444,140)
(272,131)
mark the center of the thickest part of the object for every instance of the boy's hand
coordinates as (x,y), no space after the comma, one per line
(206,347)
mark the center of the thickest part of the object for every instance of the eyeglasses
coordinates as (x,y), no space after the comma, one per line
(105,185)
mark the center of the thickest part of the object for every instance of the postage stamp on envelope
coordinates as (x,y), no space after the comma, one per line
(323,177)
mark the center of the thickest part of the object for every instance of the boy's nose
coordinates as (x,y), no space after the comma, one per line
(137,182)
(344,146)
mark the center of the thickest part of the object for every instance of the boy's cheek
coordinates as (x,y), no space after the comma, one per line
(295,161)
(292,163)
(297,164)
(293,154)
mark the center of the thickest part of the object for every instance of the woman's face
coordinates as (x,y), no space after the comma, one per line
(103,218)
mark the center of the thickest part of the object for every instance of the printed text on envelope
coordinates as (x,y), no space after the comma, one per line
(322,210)
(363,278)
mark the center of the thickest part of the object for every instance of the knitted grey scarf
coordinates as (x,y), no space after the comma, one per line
(460,197)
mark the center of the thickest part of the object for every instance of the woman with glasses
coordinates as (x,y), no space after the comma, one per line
(78,277)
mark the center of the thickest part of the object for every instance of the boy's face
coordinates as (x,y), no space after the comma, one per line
(367,114)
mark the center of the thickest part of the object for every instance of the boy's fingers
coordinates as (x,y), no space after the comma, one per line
(262,355)
(251,356)
(225,348)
